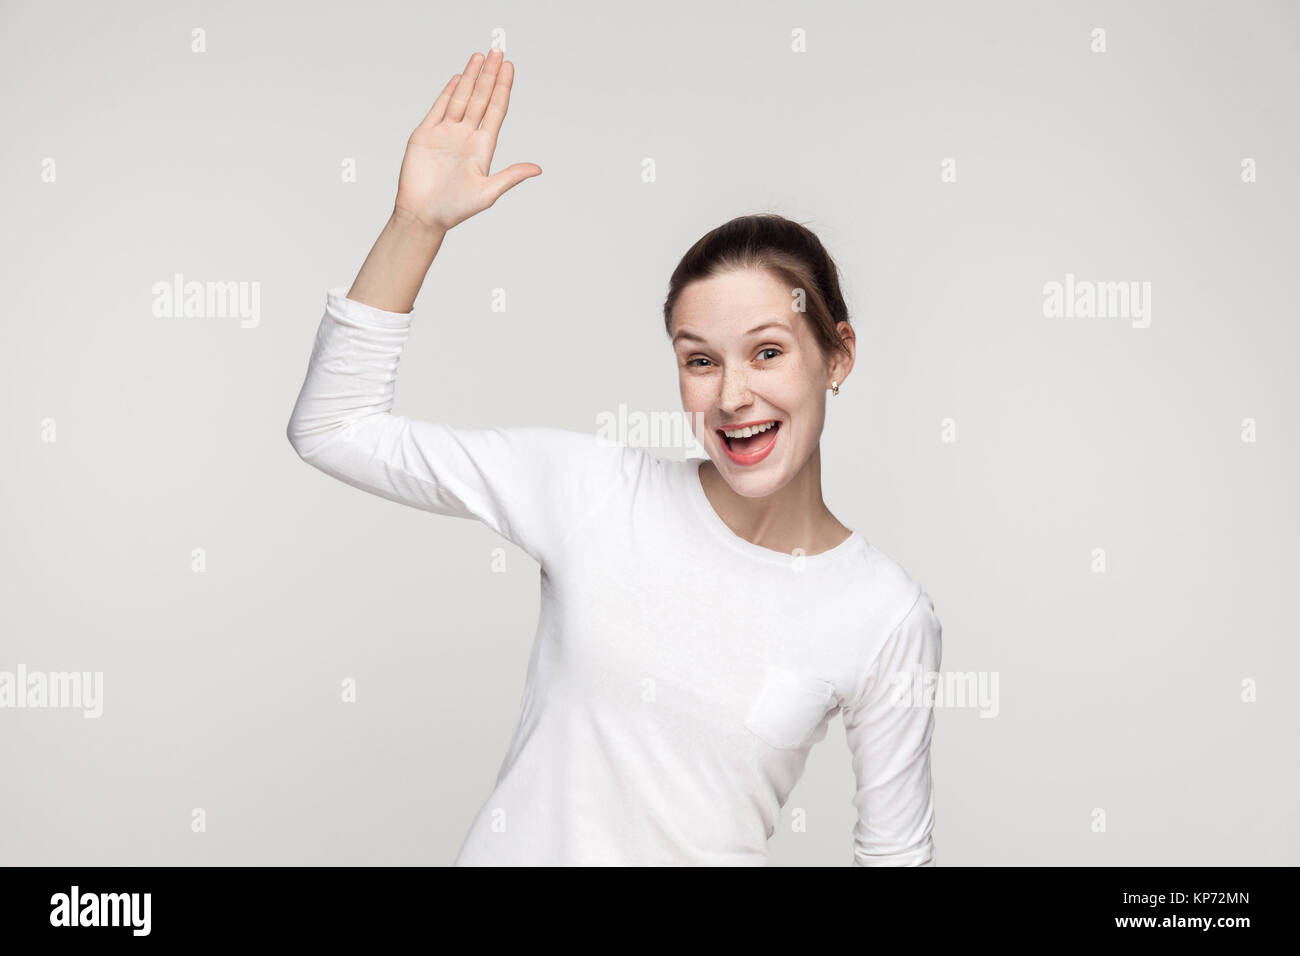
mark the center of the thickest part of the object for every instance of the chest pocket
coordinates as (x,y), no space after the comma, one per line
(789,707)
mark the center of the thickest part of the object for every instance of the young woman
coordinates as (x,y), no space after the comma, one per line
(701,620)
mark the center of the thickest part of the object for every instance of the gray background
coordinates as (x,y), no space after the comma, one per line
(1119,691)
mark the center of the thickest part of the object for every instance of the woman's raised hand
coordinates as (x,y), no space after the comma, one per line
(444,178)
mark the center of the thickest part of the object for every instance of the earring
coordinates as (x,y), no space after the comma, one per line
(835,389)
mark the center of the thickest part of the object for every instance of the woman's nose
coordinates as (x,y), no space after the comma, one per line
(735,390)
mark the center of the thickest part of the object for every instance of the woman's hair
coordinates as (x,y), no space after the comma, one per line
(786,249)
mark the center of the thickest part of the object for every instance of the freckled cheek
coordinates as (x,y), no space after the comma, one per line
(794,397)
(695,396)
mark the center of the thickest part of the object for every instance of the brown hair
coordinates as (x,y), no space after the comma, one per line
(787,249)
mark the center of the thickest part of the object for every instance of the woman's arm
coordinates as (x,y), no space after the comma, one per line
(533,485)
(889,727)
(398,262)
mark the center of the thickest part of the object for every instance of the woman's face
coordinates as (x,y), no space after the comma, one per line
(744,356)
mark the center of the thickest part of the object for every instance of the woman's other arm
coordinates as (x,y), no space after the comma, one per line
(889,728)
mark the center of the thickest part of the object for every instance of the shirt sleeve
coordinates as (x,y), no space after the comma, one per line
(532,485)
(888,728)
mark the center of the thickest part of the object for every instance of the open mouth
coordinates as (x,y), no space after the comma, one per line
(752,443)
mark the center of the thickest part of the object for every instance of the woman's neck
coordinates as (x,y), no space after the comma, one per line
(792,517)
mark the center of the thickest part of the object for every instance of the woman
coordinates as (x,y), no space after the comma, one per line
(702,620)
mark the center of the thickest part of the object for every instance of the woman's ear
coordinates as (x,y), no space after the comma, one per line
(842,361)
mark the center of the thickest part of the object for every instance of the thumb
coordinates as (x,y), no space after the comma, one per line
(509,178)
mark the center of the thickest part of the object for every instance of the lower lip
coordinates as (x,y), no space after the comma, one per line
(753,457)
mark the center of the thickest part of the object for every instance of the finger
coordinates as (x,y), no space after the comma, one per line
(500,102)
(435,114)
(459,97)
(509,178)
(483,85)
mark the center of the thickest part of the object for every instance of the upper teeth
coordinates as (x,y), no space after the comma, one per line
(751,430)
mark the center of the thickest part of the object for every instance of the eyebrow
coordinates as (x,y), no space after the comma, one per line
(683,335)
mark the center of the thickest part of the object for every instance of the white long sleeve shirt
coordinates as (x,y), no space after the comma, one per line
(680,674)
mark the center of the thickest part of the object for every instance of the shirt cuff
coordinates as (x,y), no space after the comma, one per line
(338,303)
(922,855)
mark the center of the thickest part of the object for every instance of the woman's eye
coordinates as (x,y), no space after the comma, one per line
(690,363)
